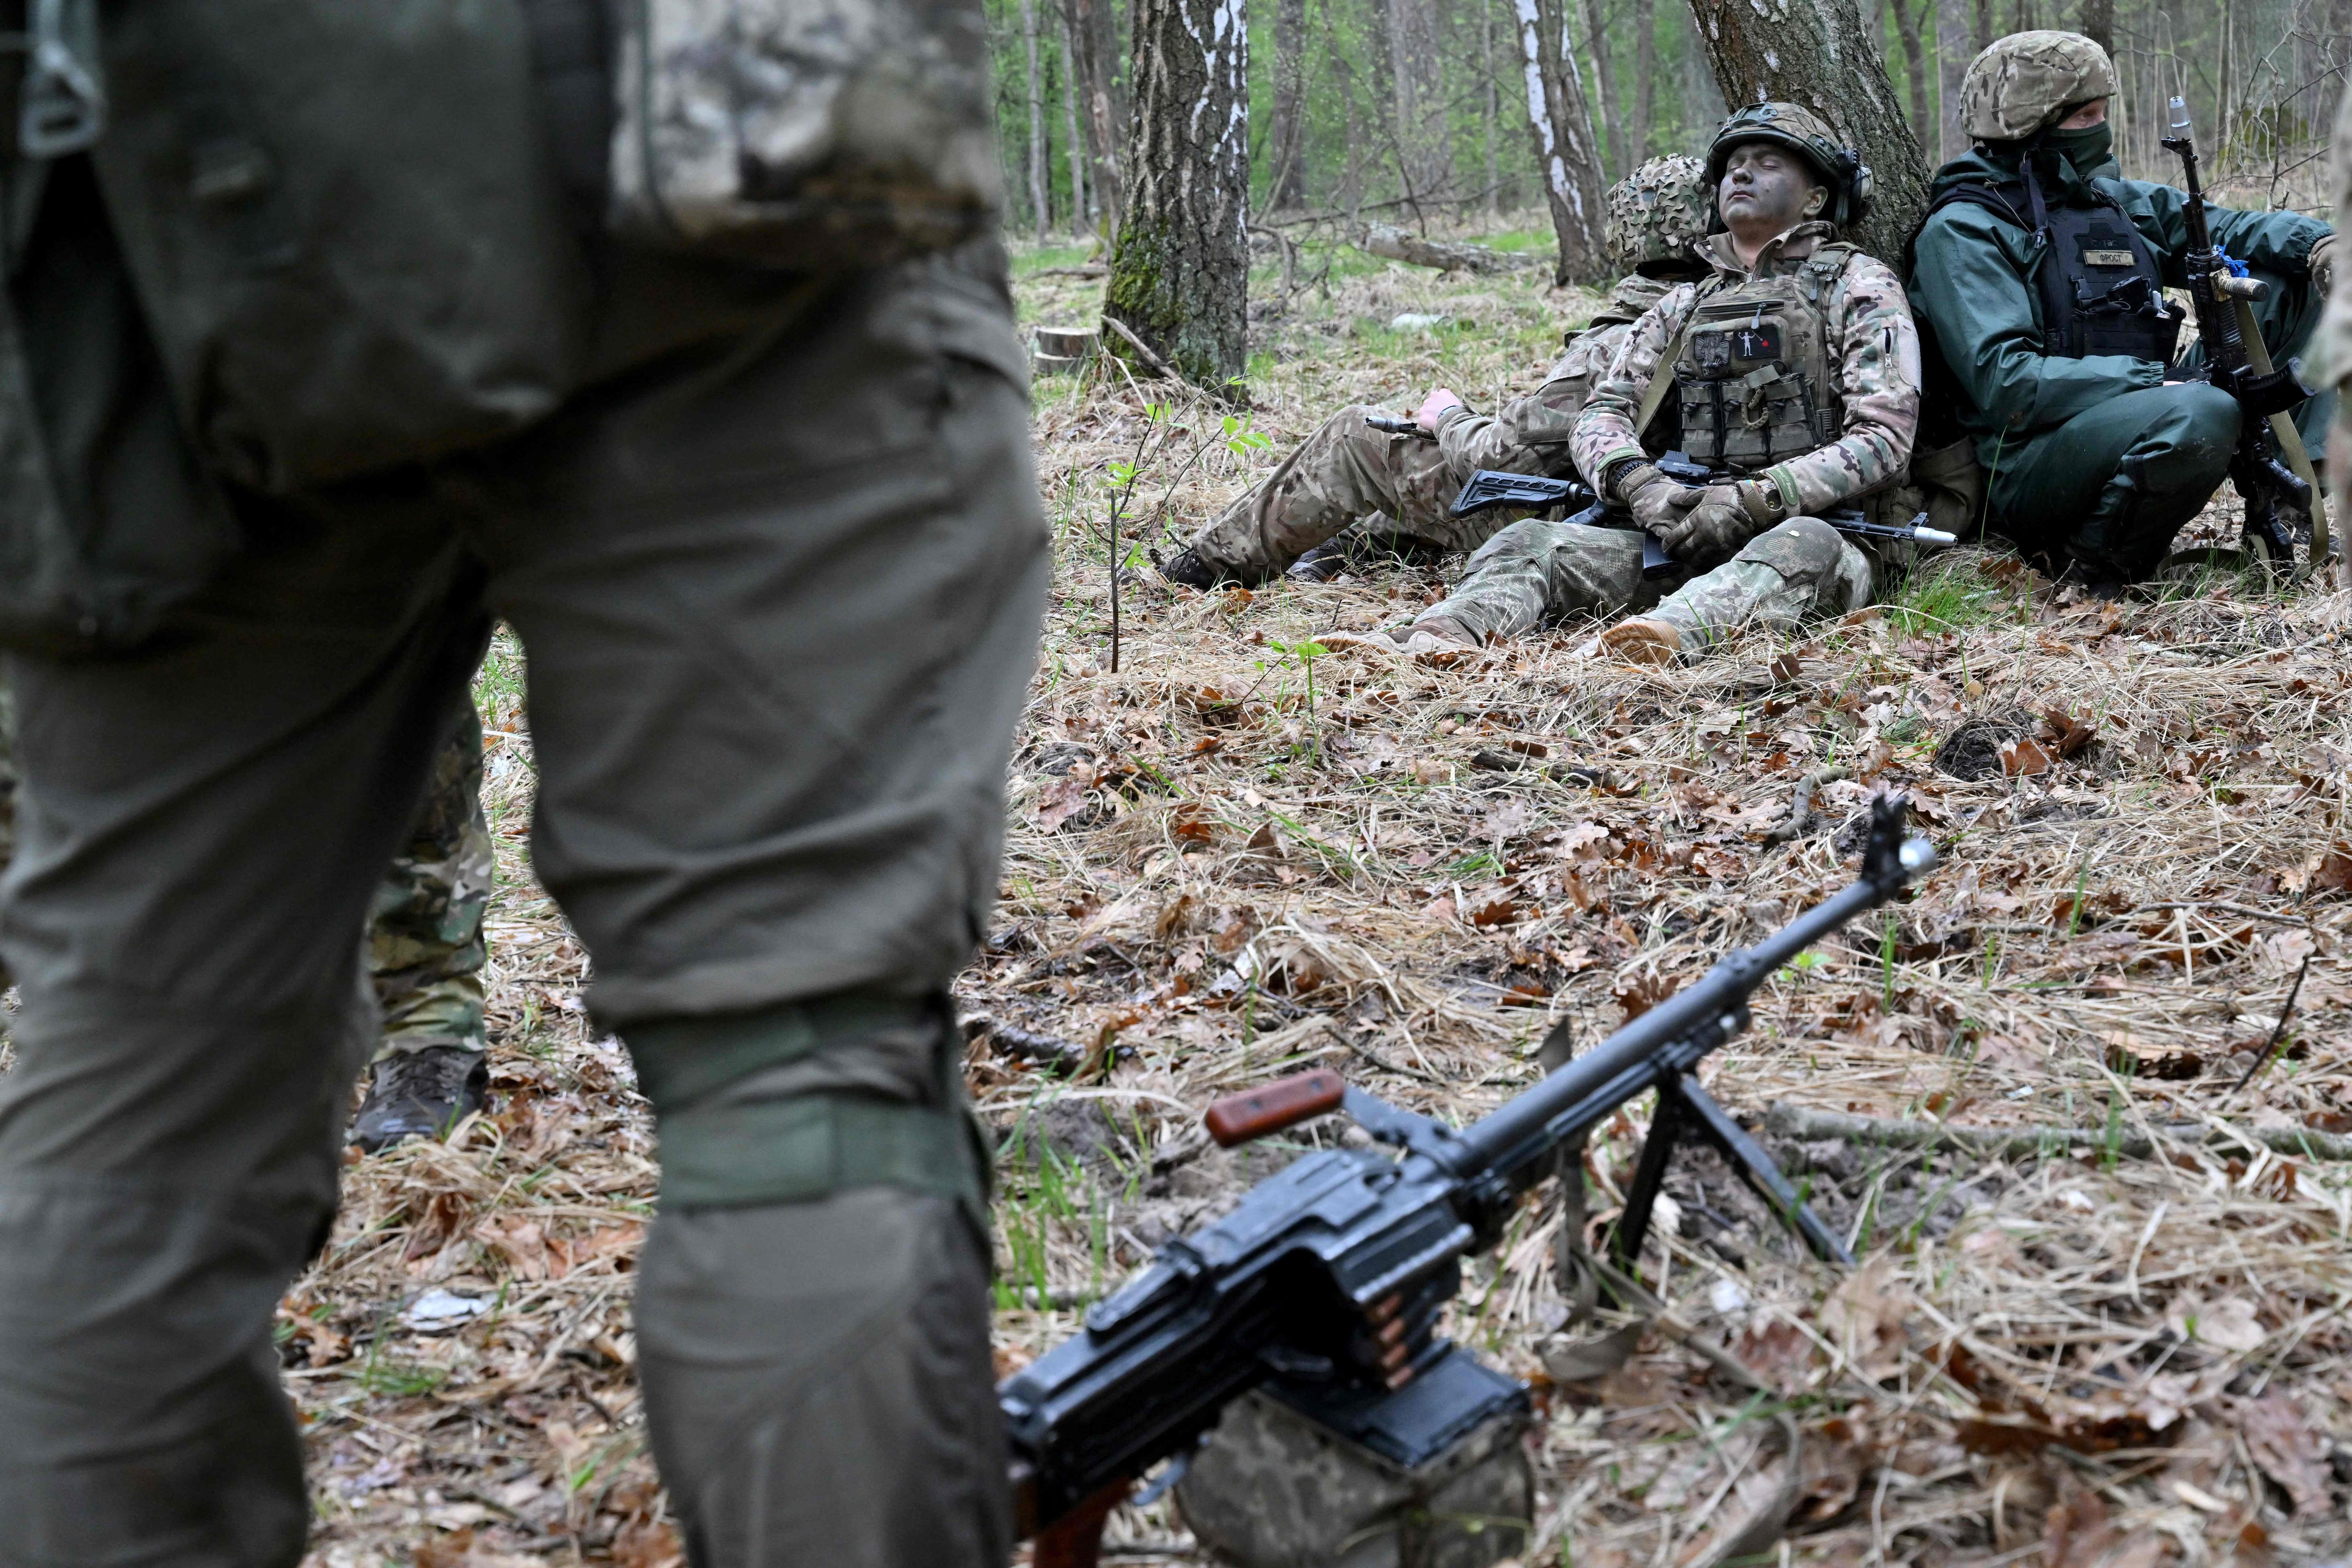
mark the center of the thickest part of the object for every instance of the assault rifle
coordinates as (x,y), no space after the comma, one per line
(1487,489)
(1326,1283)
(2271,470)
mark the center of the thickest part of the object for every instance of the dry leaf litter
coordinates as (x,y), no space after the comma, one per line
(2118,1336)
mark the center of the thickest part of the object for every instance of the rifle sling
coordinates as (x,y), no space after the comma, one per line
(1661,381)
(2290,439)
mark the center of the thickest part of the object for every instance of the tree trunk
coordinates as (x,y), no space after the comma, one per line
(1179,272)
(1955,47)
(1560,122)
(1612,106)
(1646,80)
(1425,139)
(1492,109)
(1815,53)
(1074,134)
(1090,76)
(2096,22)
(1036,118)
(1285,137)
(1915,62)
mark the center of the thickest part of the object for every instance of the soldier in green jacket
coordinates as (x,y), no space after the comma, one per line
(1351,490)
(332,335)
(2036,279)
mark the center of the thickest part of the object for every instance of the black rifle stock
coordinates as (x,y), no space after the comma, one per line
(2270,469)
(1331,1273)
(1487,488)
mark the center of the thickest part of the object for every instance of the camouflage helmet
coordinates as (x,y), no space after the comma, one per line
(1655,213)
(1800,131)
(2027,82)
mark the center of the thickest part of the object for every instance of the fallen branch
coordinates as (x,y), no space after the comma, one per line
(1045,1051)
(1801,1124)
(1800,804)
(1153,359)
(1396,245)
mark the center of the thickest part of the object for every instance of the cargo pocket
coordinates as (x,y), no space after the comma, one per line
(106,520)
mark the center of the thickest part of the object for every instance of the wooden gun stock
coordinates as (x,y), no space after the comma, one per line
(1270,1108)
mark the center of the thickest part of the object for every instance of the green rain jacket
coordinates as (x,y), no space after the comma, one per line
(1971,282)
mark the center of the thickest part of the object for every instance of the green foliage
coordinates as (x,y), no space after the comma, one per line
(1947,593)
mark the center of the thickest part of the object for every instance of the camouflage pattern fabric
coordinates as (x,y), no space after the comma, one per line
(425,948)
(1654,214)
(2334,357)
(2020,84)
(1536,570)
(1873,344)
(1347,471)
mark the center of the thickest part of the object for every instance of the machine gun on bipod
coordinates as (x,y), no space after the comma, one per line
(1324,1285)
(2271,470)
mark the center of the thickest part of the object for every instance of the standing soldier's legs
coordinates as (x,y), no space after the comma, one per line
(2107,489)
(1345,471)
(776,875)
(426,954)
(1535,569)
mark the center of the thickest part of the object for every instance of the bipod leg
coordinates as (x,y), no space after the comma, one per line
(1698,1109)
(1657,1152)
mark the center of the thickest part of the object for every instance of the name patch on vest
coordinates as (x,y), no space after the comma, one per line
(2108,258)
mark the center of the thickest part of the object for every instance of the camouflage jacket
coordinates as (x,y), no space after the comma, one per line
(1547,416)
(1871,337)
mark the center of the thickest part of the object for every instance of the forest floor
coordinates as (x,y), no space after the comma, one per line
(1241,855)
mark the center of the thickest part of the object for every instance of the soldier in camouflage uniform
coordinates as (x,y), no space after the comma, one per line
(1382,489)
(1793,366)
(426,954)
(425,947)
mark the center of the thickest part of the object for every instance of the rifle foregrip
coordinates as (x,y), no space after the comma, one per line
(1270,1108)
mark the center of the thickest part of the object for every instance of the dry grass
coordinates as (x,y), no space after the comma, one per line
(1213,877)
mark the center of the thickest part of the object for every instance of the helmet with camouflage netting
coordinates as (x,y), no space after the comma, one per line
(2027,82)
(1802,131)
(1655,213)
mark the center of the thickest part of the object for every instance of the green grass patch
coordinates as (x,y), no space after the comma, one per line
(1947,592)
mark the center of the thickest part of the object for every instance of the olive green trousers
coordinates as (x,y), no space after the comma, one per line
(2107,489)
(780,602)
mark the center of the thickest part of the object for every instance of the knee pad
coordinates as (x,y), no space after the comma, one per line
(1802,549)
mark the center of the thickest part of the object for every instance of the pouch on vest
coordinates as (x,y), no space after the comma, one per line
(1753,372)
(344,222)
(816,134)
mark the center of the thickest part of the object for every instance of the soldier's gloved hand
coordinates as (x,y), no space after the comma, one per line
(2322,262)
(1656,501)
(1727,517)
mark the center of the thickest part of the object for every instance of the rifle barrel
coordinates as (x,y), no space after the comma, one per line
(1706,1011)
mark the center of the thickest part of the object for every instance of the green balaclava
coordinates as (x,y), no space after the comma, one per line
(2086,149)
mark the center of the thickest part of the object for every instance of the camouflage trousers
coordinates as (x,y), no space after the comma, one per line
(425,949)
(1536,570)
(1346,473)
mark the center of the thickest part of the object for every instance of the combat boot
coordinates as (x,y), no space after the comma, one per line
(1186,569)
(1643,640)
(420,1094)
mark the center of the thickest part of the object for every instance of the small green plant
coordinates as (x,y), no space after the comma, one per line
(1947,596)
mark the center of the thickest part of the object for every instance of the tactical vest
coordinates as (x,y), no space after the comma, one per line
(2095,278)
(1754,372)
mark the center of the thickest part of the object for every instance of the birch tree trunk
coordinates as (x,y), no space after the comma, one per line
(1285,137)
(1036,118)
(1955,47)
(1604,77)
(1559,120)
(1815,53)
(1180,270)
(1425,139)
